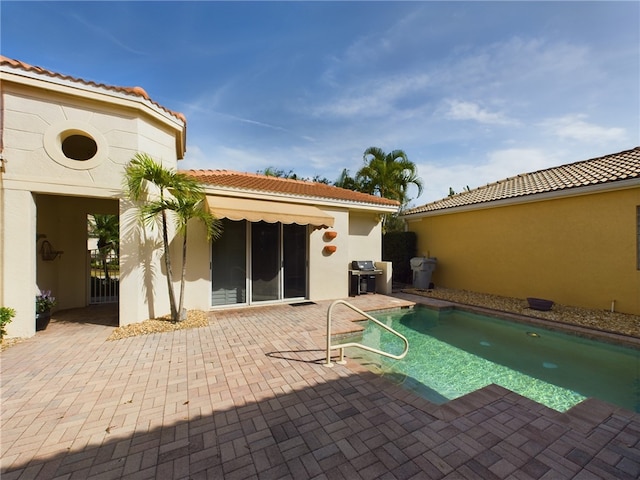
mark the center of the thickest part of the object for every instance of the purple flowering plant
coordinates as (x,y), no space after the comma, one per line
(45,301)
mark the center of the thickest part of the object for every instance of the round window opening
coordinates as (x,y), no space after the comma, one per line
(79,147)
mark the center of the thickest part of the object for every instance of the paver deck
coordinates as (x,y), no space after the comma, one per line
(248,398)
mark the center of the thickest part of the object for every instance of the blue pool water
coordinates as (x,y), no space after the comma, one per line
(452,353)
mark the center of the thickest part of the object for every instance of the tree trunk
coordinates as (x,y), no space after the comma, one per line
(182,311)
(167,261)
(105,266)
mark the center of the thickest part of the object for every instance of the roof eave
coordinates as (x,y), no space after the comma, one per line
(75,88)
(302,199)
(536,197)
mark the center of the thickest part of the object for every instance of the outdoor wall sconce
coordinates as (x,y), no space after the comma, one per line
(330,235)
(48,253)
(329,249)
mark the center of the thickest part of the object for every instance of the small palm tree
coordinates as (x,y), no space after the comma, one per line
(106,228)
(186,207)
(176,192)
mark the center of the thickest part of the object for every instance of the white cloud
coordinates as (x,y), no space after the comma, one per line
(474,172)
(373,98)
(461,110)
(574,127)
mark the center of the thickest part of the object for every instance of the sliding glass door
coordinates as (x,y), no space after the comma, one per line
(229,265)
(294,246)
(265,261)
(259,262)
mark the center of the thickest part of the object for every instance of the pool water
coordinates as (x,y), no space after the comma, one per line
(453,352)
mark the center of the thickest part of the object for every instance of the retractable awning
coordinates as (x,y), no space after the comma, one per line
(263,210)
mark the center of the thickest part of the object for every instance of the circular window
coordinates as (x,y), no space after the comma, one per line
(75,145)
(79,147)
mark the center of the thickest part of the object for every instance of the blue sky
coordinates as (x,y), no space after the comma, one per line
(472,92)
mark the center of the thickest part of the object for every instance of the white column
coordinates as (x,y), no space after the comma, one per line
(19,261)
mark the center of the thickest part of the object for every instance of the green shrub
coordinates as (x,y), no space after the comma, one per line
(6,314)
(399,248)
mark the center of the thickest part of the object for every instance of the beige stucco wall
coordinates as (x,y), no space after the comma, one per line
(365,236)
(198,273)
(359,238)
(358,235)
(578,250)
(328,271)
(62,221)
(45,193)
(18,268)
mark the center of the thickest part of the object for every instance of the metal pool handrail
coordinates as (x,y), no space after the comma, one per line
(342,346)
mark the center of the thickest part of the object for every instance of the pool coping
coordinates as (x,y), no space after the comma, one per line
(585,332)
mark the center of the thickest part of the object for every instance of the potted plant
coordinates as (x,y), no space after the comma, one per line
(6,314)
(44,302)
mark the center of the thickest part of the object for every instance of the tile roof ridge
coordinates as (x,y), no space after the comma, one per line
(136,90)
(458,199)
(321,189)
(219,171)
(568,165)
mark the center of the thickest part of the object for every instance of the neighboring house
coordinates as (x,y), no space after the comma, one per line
(570,234)
(65,144)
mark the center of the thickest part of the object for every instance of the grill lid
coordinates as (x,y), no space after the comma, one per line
(363,265)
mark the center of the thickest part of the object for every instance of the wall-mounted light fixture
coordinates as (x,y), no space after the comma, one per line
(48,253)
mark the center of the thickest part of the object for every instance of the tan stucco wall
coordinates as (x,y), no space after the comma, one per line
(578,250)
(358,235)
(365,236)
(33,118)
(34,113)
(328,271)
(198,274)
(43,192)
(63,221)
(18,268)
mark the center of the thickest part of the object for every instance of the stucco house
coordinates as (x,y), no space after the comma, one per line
(570,234)
(65,144)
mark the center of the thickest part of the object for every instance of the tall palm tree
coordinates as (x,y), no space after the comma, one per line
(172,191)
(388,174)
(106,228)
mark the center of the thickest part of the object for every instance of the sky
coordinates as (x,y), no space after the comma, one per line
(472,92)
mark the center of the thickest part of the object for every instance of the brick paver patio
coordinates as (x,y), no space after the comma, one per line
(247,397)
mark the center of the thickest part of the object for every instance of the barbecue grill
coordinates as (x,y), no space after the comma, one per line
(362,276)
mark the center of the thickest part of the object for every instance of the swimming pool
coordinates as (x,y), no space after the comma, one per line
(454,352)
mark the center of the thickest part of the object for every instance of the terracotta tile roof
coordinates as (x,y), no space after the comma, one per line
(607,169)
(137,91)
(262,183)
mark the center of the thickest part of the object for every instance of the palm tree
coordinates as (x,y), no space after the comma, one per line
(174,191)
(106,228)
(185,208)
(278,172)
(347,181)
(388,174)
